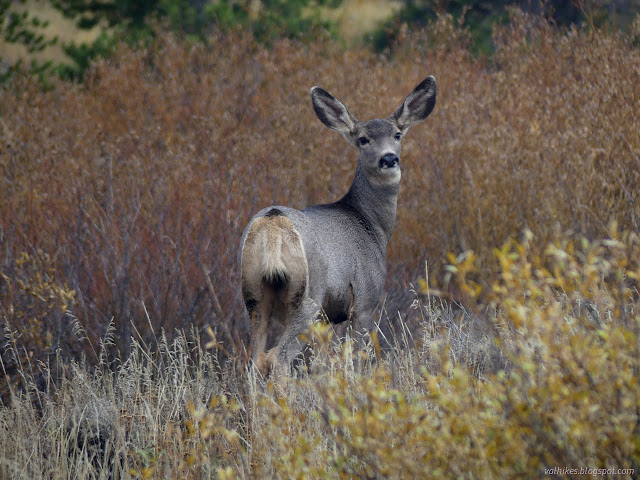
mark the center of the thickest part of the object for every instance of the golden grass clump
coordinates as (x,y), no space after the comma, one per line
(566,320)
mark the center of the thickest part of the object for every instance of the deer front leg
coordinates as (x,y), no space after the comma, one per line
(360,325)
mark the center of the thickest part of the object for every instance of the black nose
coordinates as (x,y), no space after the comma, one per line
(390,160)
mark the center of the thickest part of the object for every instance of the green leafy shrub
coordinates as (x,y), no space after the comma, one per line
(481,18)
(137,23)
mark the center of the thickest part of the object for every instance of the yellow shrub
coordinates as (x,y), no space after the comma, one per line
(569,398)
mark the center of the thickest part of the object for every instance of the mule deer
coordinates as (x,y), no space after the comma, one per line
(330,257)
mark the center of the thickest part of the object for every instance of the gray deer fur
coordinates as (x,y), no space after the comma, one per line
(329,258)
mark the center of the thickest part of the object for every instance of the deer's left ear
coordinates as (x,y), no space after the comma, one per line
(417,106)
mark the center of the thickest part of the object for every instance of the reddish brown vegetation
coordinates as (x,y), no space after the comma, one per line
(137,184)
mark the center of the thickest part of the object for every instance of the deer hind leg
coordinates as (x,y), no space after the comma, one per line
(291,346)
(258,300)
(300,312)
(274,282)
(260,318)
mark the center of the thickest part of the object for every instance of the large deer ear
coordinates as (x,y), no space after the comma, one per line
(332,112)
(417,106)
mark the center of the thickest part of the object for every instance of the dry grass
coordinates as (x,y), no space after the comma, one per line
(555,386)
(123,200)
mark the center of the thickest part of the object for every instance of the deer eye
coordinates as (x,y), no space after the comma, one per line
(362,141)
(398,136)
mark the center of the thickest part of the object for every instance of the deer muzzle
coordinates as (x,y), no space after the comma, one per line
(389,160)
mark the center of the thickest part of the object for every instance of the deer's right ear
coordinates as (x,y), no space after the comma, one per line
(332,112)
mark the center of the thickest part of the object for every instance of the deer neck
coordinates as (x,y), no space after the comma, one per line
(376,203)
